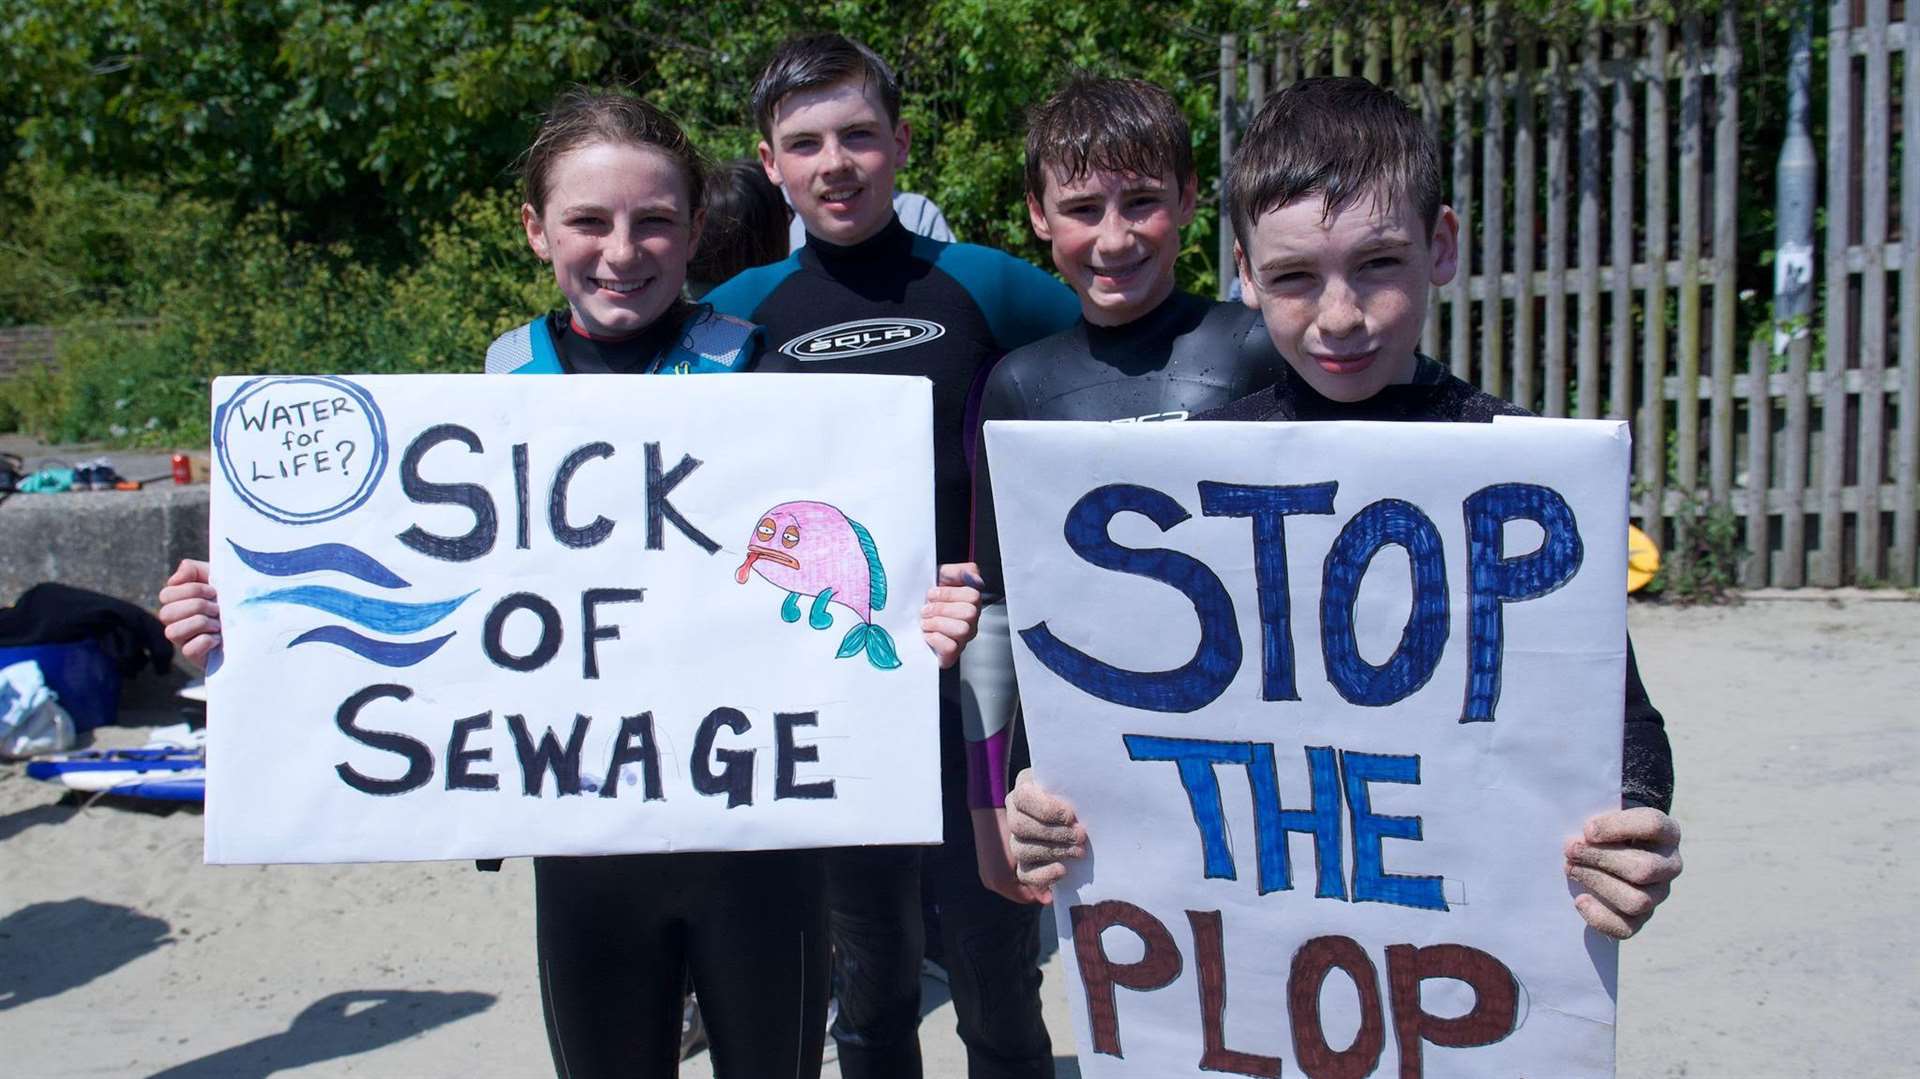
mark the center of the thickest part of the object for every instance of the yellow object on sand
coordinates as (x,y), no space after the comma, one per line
(1643,559)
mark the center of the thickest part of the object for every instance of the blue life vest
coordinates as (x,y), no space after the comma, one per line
(710,344)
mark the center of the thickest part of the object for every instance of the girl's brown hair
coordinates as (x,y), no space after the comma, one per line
(583,117)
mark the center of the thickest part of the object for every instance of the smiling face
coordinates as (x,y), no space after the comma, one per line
(1344,295)
(835,151)
(617,226)
(1115,236)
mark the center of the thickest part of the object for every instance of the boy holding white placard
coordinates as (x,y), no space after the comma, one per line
(1110,187)
(1340,237)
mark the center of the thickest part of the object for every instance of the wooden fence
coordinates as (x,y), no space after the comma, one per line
(1596,181)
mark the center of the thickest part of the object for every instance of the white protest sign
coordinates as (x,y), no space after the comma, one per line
(472,616)
(1329,699)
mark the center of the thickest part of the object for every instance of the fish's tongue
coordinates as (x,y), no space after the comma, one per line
(740,575)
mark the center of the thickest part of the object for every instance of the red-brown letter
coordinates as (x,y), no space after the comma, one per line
(1496,1000)
(1310,966)
(1209,950)
(1158,967)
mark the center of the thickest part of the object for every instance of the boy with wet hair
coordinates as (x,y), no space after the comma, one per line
(1340,235)
(1110,186)
(865,296)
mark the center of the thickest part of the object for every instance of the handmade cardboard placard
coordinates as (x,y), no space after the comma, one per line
(471,616)
(1329,699)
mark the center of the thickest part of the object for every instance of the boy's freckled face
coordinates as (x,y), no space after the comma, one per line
(617,227)
(1344,295)
(835,152)
(1115,237)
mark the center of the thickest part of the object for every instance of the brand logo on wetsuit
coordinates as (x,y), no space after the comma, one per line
(1156,417)
(859,338)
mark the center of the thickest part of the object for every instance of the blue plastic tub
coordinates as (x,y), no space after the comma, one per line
(82,675)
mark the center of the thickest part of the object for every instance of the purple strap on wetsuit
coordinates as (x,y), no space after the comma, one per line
(987,771)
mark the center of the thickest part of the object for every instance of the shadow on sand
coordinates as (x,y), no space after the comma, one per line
(49,948)
(12,824)
(338,1025)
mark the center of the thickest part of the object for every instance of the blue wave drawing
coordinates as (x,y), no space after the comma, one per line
(379,615)
(385,653)
(326,556)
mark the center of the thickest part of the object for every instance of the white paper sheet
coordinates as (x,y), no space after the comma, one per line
(1243,596)
(427,581)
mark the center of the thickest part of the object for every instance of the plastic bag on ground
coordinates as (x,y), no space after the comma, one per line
(31,719)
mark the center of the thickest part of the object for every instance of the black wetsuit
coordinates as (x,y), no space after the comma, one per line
(1435,395)
(620,936)
(1186,355)
(898,303)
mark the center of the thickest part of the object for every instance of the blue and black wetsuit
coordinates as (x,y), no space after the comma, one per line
(1186,355)
(620,936)
(903,304)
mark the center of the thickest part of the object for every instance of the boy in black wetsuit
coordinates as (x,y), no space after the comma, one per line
(865,296)
(1340,236)
(1110,184)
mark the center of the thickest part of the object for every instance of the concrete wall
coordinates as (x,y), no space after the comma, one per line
(122,543)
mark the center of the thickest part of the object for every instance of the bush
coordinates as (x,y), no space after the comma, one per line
(1704,565)
(234,298)
(75,244)
(477,279)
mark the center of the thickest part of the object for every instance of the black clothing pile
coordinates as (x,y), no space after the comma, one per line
(62,614)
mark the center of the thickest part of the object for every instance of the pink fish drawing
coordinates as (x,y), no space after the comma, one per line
(812,549)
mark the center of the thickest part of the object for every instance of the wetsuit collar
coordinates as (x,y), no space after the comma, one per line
(1400,402)
(1176,307)
(583,355)
(883,248)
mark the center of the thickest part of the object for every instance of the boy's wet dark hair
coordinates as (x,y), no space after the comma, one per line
(817,60)
(582,117)
(1109,125)
(746,223)
(1341,138)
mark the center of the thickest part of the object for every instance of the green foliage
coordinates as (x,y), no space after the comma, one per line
(323,185)
(350,118)
(299,187)
(476,280)
(236,298)
(82,243)
(1704,564)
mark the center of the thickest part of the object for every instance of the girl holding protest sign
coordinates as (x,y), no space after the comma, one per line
(613,196)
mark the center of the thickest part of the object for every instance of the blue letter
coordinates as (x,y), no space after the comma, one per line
(1494,579)
(1196,759)
(1191,686)
(1269,506)
(1371,882)
(1425,635)
(1322,822)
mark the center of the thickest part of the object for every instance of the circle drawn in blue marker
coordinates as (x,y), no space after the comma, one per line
(270,481)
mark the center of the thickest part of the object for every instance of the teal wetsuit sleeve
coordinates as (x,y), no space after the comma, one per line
(743,293)
(1021,302)
(1042,305)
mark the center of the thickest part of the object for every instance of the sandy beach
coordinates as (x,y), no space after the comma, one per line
(1787,949)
